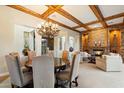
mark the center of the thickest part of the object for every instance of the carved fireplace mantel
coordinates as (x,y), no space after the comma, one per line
(99,51)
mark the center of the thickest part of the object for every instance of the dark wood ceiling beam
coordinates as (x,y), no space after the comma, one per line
(98,14)
(109,26)
(93,22)
(105,19)
(114,16)
(117,25)
(89,23)
(62,24)
(25,10)
(72,18)
(50,11)
(30,12)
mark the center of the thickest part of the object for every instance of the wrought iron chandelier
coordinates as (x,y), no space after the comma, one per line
(48,29)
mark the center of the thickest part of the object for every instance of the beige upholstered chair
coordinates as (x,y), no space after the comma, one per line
(121,52)
(17,76)
(22,61)
(43,72)
(110,63)
(31,54)
(85,56)
(71,75)
(51,53)
(65,55)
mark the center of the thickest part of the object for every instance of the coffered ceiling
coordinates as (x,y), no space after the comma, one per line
(58,17)
(36,8)
(83,13)
(79,18)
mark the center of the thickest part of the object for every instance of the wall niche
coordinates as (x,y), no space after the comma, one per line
(115,40)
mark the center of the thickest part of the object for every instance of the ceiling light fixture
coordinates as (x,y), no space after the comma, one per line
(48,29)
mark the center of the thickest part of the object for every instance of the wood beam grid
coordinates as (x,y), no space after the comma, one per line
(50,11)
(70,17)
(98,14)
(30,12)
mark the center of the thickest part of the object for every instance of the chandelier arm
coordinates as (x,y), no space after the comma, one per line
(48,29)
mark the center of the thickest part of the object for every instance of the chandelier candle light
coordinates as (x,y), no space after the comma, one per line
(48,29)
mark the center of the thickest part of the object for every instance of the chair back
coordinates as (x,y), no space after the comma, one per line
(75,66)
(43,72)
(51,53)
(15,72)
(31,54)
(65,55)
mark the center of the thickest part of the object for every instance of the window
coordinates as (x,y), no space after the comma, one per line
(61,43)
(71,41)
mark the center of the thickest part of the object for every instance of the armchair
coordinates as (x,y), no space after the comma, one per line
(84,56)
(110,63)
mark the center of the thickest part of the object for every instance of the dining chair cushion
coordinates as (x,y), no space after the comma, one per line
(25,69)
(71,74)
(23,60)
(27,78)
(64,75)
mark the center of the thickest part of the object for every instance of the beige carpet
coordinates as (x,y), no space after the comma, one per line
(92,77)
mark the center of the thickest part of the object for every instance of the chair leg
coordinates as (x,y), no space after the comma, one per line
(70,84)
(56,83)
(76,83)
(12,85)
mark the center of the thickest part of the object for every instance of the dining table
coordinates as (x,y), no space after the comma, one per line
(59,64)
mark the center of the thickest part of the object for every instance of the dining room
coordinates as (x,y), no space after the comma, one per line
(25,43)
(55,46)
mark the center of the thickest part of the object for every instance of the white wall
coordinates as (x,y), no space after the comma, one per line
(19,37)
(76,39)
(66,33)
(9,34)
(8,37)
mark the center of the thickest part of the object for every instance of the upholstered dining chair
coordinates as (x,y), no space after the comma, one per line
(65,57)
(43,72)
(71,75)
(31,54)
(51,53)
(17,76)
